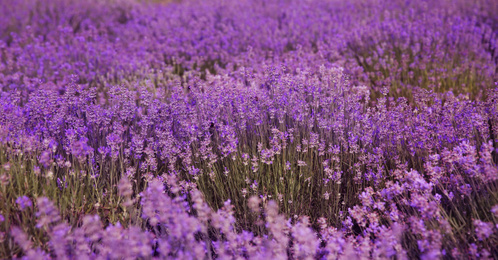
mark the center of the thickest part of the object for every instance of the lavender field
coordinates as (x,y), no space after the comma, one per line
(249,129)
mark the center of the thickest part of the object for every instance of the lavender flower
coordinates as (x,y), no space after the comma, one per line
(483,229)
(47,213)
(24,202)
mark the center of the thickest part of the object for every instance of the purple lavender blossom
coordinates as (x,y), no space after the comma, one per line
(24,202)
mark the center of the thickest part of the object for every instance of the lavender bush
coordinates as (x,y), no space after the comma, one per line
(248,129)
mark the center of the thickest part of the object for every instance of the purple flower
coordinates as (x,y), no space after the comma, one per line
(483,229)
(47,212)
(45,158)
(24,202)
(494,210)
(21,238)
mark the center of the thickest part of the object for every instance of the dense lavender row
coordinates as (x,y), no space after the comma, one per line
(442,45)
(248,129)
